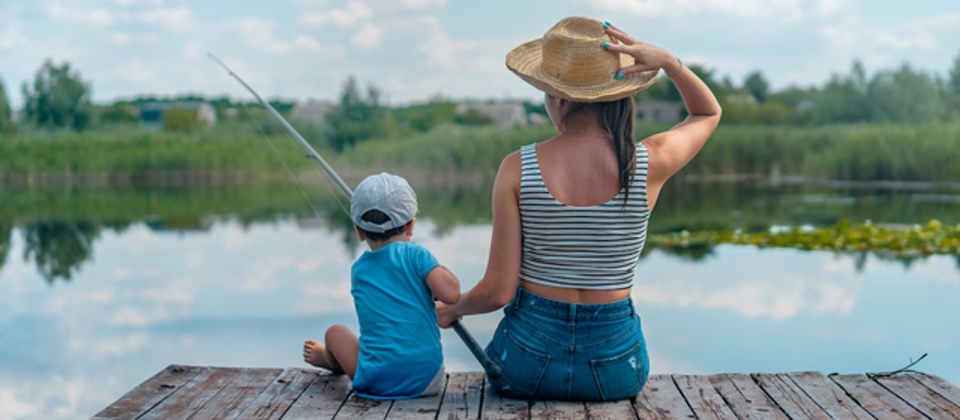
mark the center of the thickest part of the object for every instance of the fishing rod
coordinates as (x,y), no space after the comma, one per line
(489,366)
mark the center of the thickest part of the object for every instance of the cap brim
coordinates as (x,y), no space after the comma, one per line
(526,61)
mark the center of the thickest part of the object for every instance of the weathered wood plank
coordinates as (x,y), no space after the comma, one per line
(151,392)
(827,395)
(920,397)
(274,401)
(660,399)
(497,407)
(363,408)
(237,395)
(612,410)
(461,400)
(295,393)
(702,397)
(877,400)
(789,397)
(322,399)
(745,398)
(418,408)
(940,386)
(557,410)
(193,395)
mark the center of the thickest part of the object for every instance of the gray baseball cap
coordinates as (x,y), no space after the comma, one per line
(387,193)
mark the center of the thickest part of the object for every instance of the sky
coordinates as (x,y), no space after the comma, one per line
(413,50)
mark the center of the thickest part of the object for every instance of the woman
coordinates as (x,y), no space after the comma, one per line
(570,216)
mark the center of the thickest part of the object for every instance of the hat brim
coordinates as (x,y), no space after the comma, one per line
(526,61)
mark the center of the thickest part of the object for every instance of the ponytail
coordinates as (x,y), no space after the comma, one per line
(617,117)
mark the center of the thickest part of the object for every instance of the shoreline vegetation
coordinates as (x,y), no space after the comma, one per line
(452,156)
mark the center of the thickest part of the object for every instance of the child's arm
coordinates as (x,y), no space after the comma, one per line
(444,285)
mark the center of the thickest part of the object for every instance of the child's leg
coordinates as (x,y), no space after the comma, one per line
(340,353)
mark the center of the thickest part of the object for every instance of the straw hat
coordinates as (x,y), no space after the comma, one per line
(570,62)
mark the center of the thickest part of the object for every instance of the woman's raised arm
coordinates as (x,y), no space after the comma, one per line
(673,149)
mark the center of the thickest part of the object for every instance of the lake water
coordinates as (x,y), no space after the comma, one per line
(246,291)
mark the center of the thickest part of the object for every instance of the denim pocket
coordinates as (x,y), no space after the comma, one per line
(523,367)
(620,376)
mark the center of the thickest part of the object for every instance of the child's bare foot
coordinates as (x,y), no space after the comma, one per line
(315,353)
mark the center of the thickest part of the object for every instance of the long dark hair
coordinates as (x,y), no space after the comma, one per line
(617,118)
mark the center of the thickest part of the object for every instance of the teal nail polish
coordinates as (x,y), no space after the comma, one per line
(619,76)
(606,24)
(606,44)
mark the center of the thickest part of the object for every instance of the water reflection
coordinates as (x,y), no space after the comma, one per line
(61,229)
(247,294)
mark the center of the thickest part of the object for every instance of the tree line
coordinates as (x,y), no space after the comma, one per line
(59,99)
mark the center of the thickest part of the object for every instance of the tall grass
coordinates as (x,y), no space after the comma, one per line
(847,152)
(141,150)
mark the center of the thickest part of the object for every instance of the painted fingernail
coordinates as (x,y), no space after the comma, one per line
(619,76)
(606,24)
(606,45)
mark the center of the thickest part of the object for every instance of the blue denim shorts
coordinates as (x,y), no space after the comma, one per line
(551,350)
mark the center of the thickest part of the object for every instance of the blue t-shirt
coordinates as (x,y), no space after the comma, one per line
(400,350)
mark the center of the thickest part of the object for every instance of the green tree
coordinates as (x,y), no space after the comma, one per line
(58,98)
(179,119)
(120,113)
(953,86)
(423,117)
(6,114)
(903,96)
(356,118)
(844,99)
(757,86)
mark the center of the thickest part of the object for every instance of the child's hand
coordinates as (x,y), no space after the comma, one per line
(446,314)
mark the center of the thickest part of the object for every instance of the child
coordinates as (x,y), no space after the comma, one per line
(398,353)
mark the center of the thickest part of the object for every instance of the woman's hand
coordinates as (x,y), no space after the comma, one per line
(446,314)
(647,56)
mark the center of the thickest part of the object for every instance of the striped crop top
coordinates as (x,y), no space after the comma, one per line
(594,247)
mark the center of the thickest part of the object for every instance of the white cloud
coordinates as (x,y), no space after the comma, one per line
(135,72)
(423,4)
(781,10)
(352,14)
(60,11)
(176,19)
(367,37)
(258,34)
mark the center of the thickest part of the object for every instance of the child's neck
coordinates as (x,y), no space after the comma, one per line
(375,245)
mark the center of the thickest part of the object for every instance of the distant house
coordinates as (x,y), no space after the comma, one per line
(311,111)
(151,114)
(657,110)
(502,114)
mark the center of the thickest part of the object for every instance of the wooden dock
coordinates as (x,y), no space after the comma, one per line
(296,393)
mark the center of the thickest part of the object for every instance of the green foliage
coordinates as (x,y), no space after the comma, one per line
(139,150)
(6,113)
(356,118)
(181,120)
(900,241)
(119,113)
(58,98)
(421,118)
(757,86)
(473,116)
(875,152)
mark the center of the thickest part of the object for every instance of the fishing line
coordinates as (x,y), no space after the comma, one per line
(286,167)
(489,366)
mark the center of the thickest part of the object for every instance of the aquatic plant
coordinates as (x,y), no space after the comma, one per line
(932,238)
